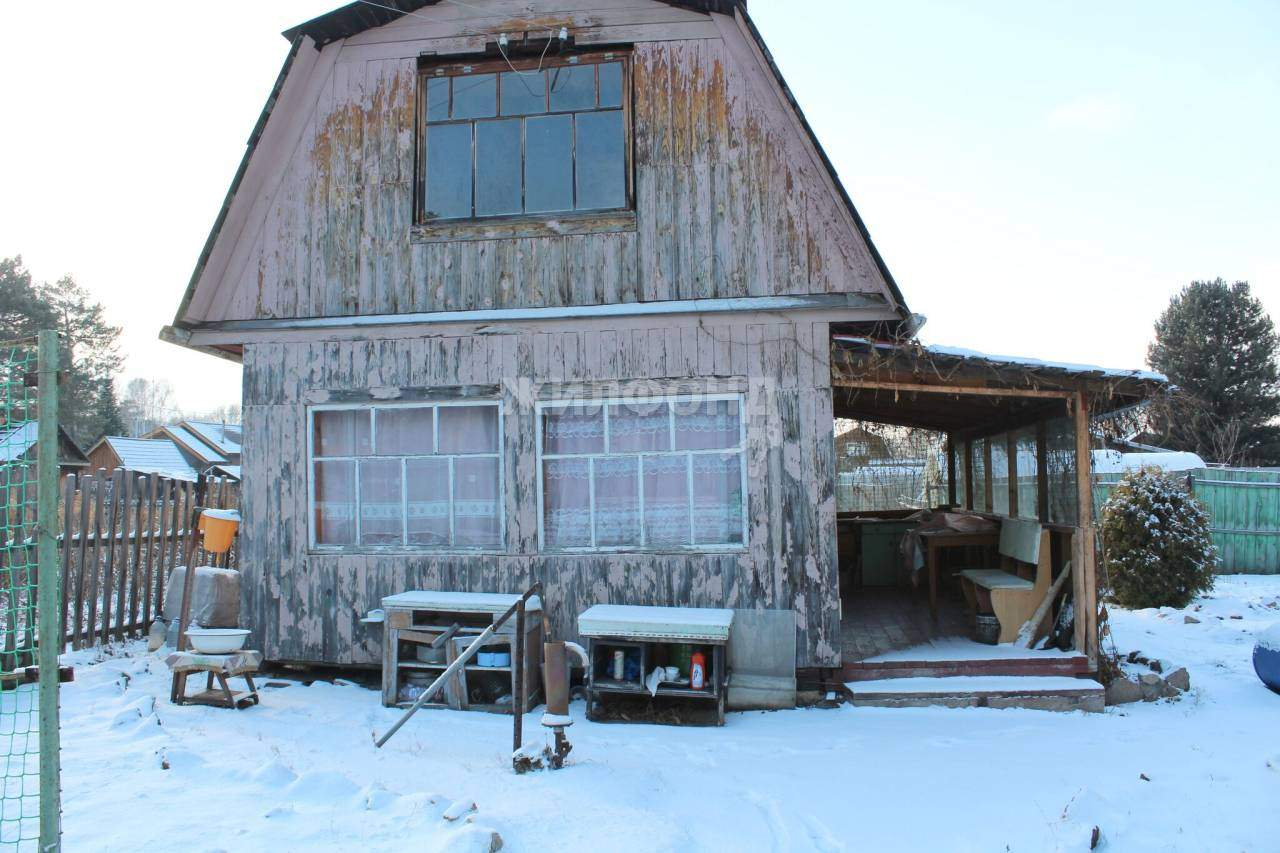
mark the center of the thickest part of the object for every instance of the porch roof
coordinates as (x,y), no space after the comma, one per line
(970,393)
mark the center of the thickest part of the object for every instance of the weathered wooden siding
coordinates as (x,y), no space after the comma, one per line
(307,606)
(730,199)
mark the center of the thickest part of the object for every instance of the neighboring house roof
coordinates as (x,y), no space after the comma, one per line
(190,442)
(1115,462)
(232,471)
(151,456)
(360,16)
(15,442)
(224,438)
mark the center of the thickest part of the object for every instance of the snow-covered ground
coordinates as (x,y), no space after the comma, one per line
(300,772)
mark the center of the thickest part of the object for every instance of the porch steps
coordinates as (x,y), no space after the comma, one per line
(1066,666)
(1037,692)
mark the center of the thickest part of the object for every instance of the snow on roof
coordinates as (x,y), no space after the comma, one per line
(1065,366)
(232,471)
(1115,462)
(1014,360)
(16,441)
(224,438)
(152,456)
(190,442)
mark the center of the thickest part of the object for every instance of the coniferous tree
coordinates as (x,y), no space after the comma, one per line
(89,355)
(106,410)
(1216,343)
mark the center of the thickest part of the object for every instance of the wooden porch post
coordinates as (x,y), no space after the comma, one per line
(1085,582)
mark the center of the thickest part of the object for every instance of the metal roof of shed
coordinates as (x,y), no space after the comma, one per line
(151,456)
(224,438)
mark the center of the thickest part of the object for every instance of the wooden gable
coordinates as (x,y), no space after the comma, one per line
(733,195)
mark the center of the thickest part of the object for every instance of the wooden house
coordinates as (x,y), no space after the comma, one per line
(208,446)
(142,456)
(545,291)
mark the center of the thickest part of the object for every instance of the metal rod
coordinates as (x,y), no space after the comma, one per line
(49,599)
(471,651)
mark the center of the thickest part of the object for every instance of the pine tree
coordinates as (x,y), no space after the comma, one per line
(89,355)
(1216,343)
(106,410)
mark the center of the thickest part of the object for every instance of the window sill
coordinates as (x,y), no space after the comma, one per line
(499,229)
(400,551)
(692,551)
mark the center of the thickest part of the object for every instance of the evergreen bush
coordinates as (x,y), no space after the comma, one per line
(1156,536)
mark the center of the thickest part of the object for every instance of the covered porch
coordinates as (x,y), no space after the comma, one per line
(1008,468)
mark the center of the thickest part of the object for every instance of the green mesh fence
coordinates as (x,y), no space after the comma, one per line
(19,701)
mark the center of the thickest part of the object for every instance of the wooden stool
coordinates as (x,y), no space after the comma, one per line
(242,664)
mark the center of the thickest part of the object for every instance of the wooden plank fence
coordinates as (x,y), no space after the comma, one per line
(1244,508)
(121,535)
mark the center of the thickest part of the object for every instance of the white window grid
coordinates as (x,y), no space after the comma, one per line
(405,459)
(673,401)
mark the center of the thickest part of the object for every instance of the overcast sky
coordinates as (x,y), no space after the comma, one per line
(1040,177)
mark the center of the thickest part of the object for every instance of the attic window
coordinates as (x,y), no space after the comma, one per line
(527,138)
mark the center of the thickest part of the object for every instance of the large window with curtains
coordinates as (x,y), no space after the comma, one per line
(654,474)
(406,476)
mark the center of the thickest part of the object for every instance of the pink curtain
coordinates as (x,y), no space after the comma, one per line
(717,499)
(468,429)
(343,432)
(666,500)
(405,432)
(617,515)
(335,503)
(381,502)
(566,512)
(475,503)
(573,429)
(428,510)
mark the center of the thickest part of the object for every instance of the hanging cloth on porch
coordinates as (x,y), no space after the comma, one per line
(913,551)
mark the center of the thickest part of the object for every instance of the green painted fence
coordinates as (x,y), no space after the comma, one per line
(1244,505)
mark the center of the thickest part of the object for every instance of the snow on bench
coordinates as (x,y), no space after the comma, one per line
(659,623)
(458,602)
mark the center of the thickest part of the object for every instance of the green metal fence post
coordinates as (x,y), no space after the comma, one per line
(49,594)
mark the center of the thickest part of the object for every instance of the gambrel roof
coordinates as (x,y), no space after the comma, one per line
(357,18)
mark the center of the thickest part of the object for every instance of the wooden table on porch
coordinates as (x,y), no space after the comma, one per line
(937,540)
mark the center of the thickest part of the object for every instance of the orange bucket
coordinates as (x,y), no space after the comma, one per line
(218,527)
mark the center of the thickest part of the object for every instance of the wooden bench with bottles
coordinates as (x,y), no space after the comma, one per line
(426,631)
(674,654)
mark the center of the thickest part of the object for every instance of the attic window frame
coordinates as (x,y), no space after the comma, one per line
(524,223)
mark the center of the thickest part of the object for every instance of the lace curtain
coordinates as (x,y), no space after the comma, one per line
(420,476)
(643,474)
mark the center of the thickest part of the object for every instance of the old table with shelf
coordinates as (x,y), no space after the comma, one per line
(936,541)
(608,627)
(417,618)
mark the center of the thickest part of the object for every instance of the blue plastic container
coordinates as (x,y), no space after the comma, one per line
(1266,658)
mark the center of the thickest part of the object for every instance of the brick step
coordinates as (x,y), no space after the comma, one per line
(1041,693)
(1062,665)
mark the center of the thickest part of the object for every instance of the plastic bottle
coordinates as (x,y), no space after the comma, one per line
(698,670)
